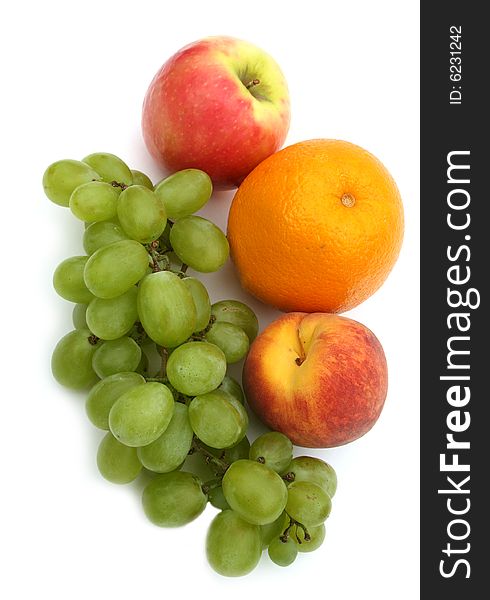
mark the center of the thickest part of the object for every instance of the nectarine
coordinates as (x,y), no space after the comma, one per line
(320,379)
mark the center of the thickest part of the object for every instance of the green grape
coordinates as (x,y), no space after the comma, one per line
(184,192)
(283,553)
(196,463)
(232,386)
(139,178)
(142,414)
(71,362)
(166,309)
(141,214)
(79,316)
(201,300)
(117,463)
(116,356)
(255,492)
(216,420)
(143,364)
(94,201)
(231,454)
(237,451)
(217,498)
(114,269)
(111,318)
(308,503)
(199,244)
(68,280)
(170,450)
(164,239)
(231,339)
(110,167)
(102,234)
(218,452)
(274,450)
(271,530)
(317,535)
(63,176)
(173,499)
(196,367)
(233,545)
(238,313)
(315,470)
(104,394)
(154,358)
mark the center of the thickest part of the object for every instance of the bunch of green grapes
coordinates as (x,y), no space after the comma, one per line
(153,352)
(268,500)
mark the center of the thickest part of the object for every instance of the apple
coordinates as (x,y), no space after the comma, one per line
(220,105)
(320,379)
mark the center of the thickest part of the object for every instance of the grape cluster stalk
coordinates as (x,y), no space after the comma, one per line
(152,351)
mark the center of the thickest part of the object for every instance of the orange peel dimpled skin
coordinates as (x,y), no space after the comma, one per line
(316,227)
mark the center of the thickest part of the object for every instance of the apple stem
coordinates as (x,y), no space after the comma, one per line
(289,477)
(252,83)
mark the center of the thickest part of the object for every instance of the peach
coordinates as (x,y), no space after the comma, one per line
(321,379)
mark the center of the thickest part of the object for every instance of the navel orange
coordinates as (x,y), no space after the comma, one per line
(316,227)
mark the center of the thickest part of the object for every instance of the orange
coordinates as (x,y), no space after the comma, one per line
(316,227)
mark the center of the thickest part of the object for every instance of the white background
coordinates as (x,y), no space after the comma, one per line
(74,76)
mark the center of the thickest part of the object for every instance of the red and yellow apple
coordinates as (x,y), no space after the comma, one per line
(320,379)
(219,104)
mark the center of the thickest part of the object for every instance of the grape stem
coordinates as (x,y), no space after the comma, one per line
(178,396)
(183,271)
(115,183)
(208,456)
(182,398)
(140,334)
(157,258)
(292,522)
(207,486)
(200,334)
(163,366)
(158,379)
